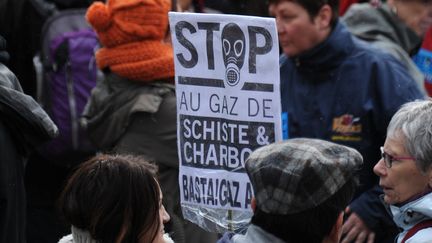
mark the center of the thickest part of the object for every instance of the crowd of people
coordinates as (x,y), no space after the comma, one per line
(356,166)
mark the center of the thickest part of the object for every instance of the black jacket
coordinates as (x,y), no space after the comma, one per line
(23,126)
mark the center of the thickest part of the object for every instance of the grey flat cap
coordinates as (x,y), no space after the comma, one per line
(297,174)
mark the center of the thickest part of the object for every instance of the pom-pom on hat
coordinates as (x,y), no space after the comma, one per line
(298,174)
(131,33)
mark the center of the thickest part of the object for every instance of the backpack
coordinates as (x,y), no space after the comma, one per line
(66,73)
(422,225)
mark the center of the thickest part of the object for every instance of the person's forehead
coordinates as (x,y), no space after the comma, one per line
(285,6)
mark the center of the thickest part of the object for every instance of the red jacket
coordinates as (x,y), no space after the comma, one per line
(427,46)
(423,59)
(344,5)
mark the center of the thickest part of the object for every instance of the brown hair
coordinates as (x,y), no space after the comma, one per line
(314,6)
(113,197)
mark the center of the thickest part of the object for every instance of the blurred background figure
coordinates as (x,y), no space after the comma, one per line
(242,7)
(21,21)
(405,171)
(23,127)
(345,4)
(396,27)
(21,24)
(194,6)
(423,60)
(114,198)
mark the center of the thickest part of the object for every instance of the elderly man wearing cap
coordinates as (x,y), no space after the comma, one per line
(301,188)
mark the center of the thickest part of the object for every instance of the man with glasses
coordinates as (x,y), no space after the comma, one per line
(338,88)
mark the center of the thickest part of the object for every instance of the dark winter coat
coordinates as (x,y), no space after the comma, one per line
(23,127)
(345,91)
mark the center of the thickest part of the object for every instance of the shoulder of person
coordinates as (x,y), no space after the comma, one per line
(226,238)
(382,60)
(422,236)
(371,51)
(66,239)
(8,78)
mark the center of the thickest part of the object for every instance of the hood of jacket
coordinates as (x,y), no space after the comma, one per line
(381,24)
(29,123)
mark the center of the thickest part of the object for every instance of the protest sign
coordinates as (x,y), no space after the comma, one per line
(228,104)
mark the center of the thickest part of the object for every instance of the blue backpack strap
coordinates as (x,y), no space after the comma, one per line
(422,225)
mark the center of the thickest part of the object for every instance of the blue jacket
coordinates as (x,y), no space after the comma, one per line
(345,91)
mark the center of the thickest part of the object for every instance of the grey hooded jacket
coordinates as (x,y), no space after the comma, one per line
(381,27)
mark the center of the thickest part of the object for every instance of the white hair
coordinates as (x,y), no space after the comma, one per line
(414,122)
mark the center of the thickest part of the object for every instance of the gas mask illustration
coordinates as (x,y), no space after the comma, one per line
(233,46)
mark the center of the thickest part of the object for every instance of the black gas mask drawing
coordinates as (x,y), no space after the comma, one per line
(233,46)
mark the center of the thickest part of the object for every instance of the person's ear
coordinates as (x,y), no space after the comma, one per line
(336,231)
(324,17)
(253,204)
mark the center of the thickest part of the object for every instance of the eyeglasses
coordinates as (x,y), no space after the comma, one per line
(388,159)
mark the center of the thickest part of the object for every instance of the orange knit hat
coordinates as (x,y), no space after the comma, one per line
(132,33)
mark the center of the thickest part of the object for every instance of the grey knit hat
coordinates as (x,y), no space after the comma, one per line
(298,174)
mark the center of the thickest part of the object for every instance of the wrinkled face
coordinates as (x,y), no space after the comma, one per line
(403,180)
(297,31)
(415,14)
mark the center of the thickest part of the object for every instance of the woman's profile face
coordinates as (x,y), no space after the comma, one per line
(296,30)
(163,218)
(416,14)
(403,180)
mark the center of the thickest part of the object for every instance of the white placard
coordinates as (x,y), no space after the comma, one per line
(228,104)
